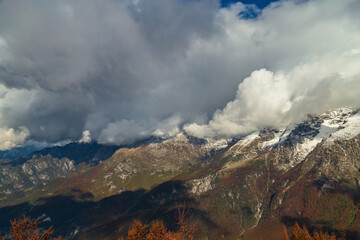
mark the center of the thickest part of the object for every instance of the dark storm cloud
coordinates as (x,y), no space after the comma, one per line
(127,69)
(96,63)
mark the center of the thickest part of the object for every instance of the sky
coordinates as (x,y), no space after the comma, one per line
(116,71)
(259,3)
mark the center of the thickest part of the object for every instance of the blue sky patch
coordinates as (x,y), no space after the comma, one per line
(259,3)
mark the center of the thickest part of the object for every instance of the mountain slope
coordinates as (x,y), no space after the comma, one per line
(246,187)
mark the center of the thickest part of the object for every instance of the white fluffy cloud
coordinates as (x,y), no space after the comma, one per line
(124,131)
(169,127)
(10,138)
(125,70)
(275,100)
(315,66)
(86,137)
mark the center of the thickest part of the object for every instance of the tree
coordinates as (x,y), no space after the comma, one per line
(299,233)
(137,232)
(158,231)
(25,229)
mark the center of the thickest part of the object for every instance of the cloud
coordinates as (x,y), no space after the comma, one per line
(128,131)
(86,137)
(124,131)
(261,100)
(169,127)
(10,138)
(275,100)
(128,69)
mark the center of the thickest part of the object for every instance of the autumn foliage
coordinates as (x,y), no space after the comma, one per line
(26,229)
(303,233)
(158,231)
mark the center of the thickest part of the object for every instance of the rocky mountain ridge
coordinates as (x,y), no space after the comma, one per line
(248,187)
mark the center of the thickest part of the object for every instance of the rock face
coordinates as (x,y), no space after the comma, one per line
(33,176)
(248,187)
(83,167)
(276,177)
(35,173)
(144,166)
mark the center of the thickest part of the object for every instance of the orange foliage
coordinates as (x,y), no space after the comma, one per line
(158,231)
(26,229)
(299,233)
(286,236)
(324,236)
(137,232)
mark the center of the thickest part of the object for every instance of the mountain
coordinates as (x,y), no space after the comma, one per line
(18,152)
(22,177)
(246,187)
(94,152)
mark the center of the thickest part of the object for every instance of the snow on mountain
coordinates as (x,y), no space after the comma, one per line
(296,141)
(248,178)
(349,128)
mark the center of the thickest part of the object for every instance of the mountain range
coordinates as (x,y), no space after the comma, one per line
(246,187)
